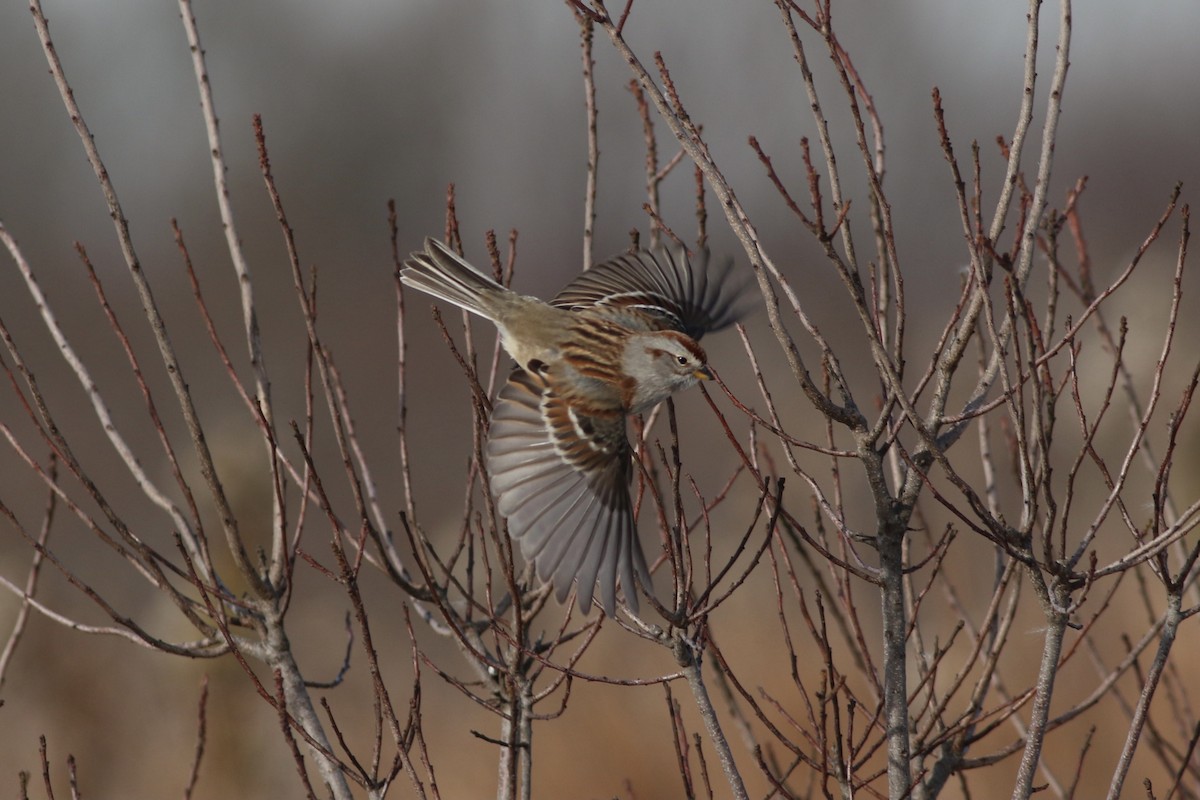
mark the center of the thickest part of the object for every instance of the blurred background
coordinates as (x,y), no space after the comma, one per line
(366,101)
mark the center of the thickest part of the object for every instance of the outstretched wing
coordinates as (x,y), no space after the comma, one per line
(672,290)
(561,478)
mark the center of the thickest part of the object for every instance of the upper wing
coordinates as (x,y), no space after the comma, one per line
(561,479)
(665,286)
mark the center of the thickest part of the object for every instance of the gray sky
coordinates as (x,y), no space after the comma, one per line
(368,100)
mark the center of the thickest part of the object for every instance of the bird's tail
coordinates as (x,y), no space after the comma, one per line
(440,271)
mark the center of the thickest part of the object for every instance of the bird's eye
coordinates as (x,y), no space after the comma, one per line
(683,360)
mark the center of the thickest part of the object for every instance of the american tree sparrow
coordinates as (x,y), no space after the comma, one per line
(618,340)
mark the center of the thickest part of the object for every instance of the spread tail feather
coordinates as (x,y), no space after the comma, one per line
(441,272)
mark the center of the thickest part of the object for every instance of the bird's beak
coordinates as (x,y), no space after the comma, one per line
(703,374)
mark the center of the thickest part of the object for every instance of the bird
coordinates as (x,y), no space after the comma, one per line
(618,340)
